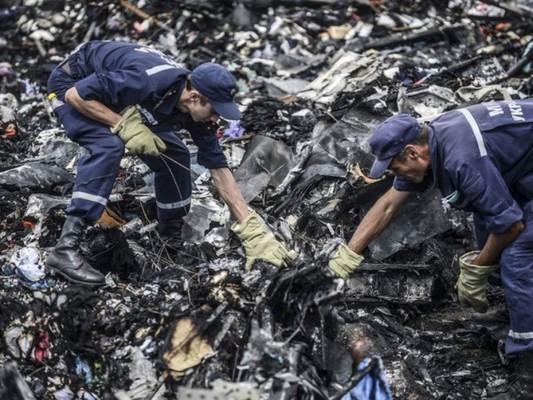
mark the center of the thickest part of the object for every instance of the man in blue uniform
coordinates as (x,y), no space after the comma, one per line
(122,95)
(481,159)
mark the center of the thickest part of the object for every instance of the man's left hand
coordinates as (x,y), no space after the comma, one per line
(259,243)
(137,137)
(472,283)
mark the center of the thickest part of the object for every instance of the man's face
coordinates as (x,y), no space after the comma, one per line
(201,110)
(413,167)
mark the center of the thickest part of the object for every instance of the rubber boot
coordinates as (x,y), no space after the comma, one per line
(66,258)
(170,229)
(521,388)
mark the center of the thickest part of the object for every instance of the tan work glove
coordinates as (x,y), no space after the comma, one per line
(472,283)
(138,138)
(259,243)
(344,262)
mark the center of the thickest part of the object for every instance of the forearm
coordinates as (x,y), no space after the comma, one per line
(496,243)
(91,108)
(377,219)
(230,192)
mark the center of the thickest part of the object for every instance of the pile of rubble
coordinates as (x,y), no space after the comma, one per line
(187,321)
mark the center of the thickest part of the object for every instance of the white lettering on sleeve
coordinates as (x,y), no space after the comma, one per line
(494,109)
(516,111)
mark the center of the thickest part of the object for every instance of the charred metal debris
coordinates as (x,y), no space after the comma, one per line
(186,320)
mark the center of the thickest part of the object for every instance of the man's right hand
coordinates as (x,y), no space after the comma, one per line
(259,243)
(345,262)
(137,137)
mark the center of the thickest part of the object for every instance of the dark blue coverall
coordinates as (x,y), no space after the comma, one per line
(119,75)
(482,161)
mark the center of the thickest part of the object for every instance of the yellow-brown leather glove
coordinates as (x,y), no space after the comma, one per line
(137,137)
(472,283)
(259,243)
(344,262)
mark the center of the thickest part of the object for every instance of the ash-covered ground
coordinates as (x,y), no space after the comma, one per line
(186,320)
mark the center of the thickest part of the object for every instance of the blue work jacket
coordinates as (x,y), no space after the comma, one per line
(482,161)
(121,74)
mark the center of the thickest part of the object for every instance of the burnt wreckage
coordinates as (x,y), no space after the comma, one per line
(186,320)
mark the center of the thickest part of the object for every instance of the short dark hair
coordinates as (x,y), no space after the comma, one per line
(421,139)
(203,100)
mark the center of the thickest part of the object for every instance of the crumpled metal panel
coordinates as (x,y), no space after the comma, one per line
(422,217)
(265,163)
(35,177)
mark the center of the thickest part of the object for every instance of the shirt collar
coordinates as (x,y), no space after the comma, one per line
(167,105)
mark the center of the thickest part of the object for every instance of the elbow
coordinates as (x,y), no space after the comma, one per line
(70,96)
(513,231)
(517,228)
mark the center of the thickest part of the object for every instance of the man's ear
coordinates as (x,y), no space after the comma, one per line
(411,152)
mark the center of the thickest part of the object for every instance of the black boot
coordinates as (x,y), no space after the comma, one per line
(522,386)
(66,258)
(170,229)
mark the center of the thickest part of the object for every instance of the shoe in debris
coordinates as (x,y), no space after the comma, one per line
(66,258)
(170,229)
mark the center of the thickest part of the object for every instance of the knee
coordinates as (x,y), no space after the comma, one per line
(185,158)
(174,160)
(182,155)
(112,147)
(181,162)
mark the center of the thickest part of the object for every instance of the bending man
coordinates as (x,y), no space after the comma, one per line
(481,159)
(123,95)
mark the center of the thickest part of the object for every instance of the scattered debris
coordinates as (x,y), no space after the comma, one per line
(186,319)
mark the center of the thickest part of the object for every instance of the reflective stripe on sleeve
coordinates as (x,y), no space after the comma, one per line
(475,128)
(159,68)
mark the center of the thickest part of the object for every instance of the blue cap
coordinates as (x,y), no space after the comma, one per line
(389,139)
(217,84)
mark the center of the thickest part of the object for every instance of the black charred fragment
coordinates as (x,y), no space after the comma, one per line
(452,34)
(12,384)
(357,195)
(109,251)
(391,283)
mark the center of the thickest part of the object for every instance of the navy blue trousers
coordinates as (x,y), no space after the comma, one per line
(97,171)
(516,269)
